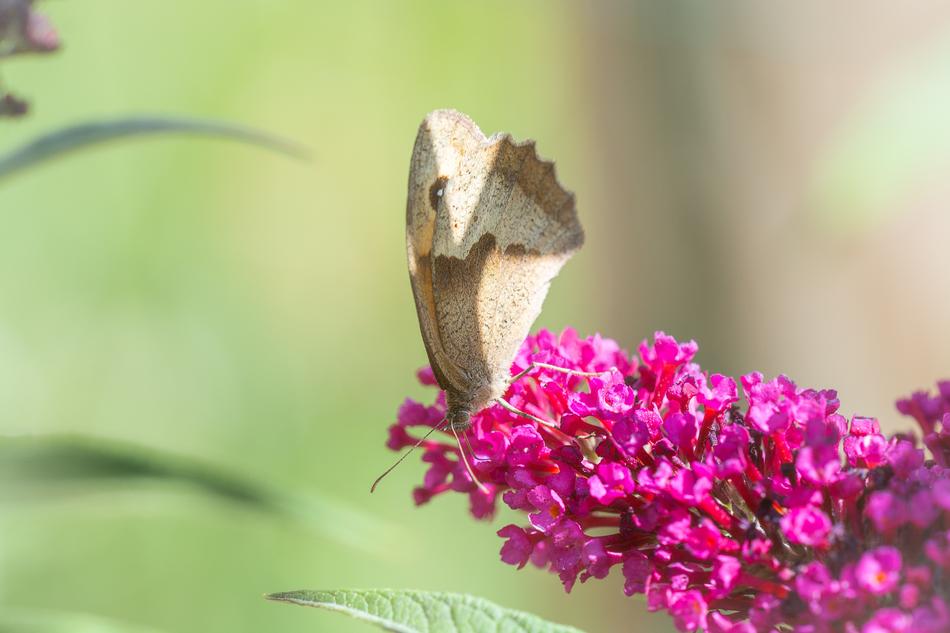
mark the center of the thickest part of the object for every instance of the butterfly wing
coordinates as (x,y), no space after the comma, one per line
(444,137)
(503,230)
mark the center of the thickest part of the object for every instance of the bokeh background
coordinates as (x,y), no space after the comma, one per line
(769,180)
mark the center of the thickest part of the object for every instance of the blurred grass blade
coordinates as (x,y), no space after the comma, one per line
(83,135)
(69,465)
(423,611)
(24,621)
(63,463)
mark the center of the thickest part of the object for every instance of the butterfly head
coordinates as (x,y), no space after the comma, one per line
(458,419)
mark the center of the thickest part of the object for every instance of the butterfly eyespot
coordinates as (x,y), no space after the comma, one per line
(436,191)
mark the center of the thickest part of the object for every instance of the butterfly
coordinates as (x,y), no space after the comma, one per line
(488,227)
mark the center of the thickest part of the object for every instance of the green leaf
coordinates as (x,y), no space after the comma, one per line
(69,465)
(84,135)
(23,621)
(423,611)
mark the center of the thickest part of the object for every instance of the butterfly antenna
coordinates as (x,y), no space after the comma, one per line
(468,467)
(409,452)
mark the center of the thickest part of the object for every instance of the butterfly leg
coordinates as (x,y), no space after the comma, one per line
(468,467)
(510,407)
(471,450)
(563,370)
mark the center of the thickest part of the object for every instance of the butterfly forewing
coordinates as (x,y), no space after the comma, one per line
(443,138)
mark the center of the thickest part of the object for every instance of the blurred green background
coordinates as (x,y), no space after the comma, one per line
(767,180)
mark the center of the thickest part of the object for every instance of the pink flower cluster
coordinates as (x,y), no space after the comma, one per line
(779,513)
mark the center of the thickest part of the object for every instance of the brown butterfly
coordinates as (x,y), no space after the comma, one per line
(488,227)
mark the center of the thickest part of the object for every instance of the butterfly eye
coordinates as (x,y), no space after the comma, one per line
(436,191)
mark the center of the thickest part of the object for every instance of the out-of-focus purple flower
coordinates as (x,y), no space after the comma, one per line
(818,465)
(887,512)
(688,609)
(776,514)
(879,570)
(40,34)
(888,620)
(937,549)
(610,482)
(23,29)
(637,570)
(706,540)
(904,458)
(807,526)
(720,394)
